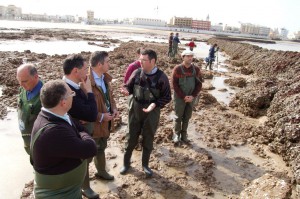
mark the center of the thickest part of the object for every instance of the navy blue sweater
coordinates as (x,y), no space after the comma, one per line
(83,107)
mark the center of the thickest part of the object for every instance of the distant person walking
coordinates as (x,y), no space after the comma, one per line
(29,104)
(170,44)
(175,43)
(186,82)
(192,45)
(59,145)
(211,56)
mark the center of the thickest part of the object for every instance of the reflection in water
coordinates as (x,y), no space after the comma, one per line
(222,92)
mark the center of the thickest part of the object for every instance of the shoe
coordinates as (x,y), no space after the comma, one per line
(124,170)
(89,193)
(148,171)
(176,138)
(187,141)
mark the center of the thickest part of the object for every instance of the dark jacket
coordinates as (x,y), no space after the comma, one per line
(162,85)
(83,107)
(60,148)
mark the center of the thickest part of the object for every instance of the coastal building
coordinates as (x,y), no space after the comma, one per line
(10,12)
(148,22)
(201,25)
(248,28)
(218,27)
(182,22)
(2,11)
(231,29)
(90,16)
(297,35)
(284,33)
(274,34)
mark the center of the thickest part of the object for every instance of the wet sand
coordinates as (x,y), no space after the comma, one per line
(228,150)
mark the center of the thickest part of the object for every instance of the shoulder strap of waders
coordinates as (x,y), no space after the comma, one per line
(154,82)
(36,136)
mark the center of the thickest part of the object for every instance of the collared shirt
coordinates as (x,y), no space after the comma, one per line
(65,117)
(35,91)
(152,71)
(100,81)
(70,82)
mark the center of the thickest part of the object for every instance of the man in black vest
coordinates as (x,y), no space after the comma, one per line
(151,91)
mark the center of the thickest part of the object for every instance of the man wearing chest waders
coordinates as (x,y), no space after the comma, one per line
(187,85)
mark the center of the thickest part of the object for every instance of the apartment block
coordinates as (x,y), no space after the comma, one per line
(183,22)
(201,25)
(148,22)
(10,12)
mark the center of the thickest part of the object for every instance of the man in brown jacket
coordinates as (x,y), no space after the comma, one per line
(107,110)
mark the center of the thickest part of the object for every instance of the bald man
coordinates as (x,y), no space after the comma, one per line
(29,104)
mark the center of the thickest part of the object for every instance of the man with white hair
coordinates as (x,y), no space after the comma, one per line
(29,104)
(186,82)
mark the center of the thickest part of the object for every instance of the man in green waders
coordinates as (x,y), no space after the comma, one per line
(187,85)
(151,91)
(84,107)
(59,146)
(29,104)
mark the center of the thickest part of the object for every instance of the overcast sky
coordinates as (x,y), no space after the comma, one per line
(270,13)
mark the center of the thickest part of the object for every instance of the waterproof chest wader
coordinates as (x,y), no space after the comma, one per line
(99,159)
(65,185)
(183,110)
(141,122)
(174,48)
(28,111)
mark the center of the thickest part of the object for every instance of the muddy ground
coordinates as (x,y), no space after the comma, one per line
(233,149)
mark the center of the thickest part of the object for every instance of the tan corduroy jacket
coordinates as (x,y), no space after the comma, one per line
(102,129)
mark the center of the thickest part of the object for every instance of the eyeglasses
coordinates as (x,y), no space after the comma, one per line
(72,94)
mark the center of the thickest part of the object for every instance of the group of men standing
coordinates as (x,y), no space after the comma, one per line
(66,123)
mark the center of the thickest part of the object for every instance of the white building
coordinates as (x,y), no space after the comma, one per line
(284,33)
(297,35)
(2,11)
(217,27)
(10,12)
(264,31)
(251,29)
(231,29)
(148,22)
(90,16)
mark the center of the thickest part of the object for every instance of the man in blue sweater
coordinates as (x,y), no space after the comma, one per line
(84,107)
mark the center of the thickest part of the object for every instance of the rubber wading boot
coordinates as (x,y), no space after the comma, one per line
(184,137)
(86,189)
(145,163)
(100,163)
(126,165)
(176,138)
